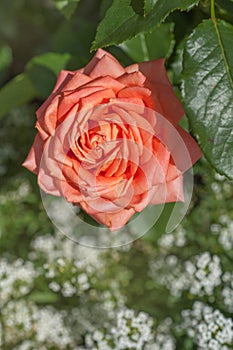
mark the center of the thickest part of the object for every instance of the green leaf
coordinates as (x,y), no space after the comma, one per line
(208,91)
(43,71)
(148,6)
(17,92)
(122,23)
(138,6)
(225,9)
(44,297)
(105,4)
(177,64)
(5,60)
(153,45)
(67,7)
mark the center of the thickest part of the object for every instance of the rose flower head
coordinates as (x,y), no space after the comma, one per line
(109,141)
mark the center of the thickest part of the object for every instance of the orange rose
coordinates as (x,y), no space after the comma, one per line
(109,140)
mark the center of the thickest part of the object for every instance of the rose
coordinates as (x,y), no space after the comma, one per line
(109,141)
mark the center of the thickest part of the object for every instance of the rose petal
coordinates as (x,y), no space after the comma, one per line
(171,191)
(47,183)
(69,99)
(71,193)
(62,79)
(138,92)
(48,121)
(162,89)
(107,65)
(98,56)
(33,159)
(114,221)
(106,82)
(132,69)
(76,81)
(192,148)
(132,79)
(98,97)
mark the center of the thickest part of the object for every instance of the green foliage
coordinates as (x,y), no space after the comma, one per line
(67,7)
(148,6)
(208,91)
(138,6)
(43,297)
(5,60)
(43,70)
(121,22)
(17,92)
(155,44)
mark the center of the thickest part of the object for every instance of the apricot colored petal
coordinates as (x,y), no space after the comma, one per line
(47,122)
(100,53)
(70,99)
(114,221)
(76,81)
(97,97)
(183,148)
(47,183)
(175,190)
(172,173)
(162,89)
(140,182)
(132,100)
(132,68)
(107,65)
(132,79)
(102,205)
(71,193)
(140,202)
(33,159)
(50,166)
(192,148)
(62,79)
(138,92)
(61,140)
(162,154)
(106,82)
(167,192)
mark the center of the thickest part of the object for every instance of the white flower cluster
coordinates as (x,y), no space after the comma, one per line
(204,274)
(64,277)
(23,321)
(168,272)
(176,238)
(50,328)
(16,195)
(70,268)
(209,328)
(227,291)
(222,185)
(199,275)
(163,339)
(112,299)
(224,230)
(53,247)
(131,332)
(18,321)
(16,279)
